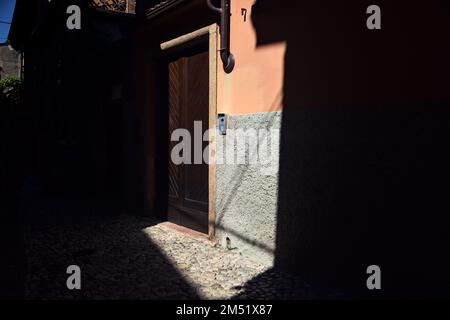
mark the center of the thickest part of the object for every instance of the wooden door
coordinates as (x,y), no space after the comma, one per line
(188,82)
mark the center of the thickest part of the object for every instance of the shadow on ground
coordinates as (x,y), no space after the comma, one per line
(117,260)
(275,285)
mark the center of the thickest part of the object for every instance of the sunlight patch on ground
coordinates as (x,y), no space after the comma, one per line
(214,272)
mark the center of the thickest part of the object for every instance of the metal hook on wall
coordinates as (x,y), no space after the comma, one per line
(225,14)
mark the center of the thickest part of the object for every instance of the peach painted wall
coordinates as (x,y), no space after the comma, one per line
(256,83)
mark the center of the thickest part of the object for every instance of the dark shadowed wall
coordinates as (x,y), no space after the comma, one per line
(364,172)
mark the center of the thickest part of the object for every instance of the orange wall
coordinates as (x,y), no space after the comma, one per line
(256,83)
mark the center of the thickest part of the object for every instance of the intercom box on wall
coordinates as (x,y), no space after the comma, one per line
(222,123)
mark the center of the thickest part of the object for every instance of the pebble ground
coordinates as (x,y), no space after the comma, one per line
(130,257)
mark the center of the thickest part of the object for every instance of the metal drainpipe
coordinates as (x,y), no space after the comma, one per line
(225,14)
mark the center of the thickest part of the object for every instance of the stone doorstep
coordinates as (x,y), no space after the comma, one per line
(169,226)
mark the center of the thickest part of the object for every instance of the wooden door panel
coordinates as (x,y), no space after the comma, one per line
(175,95)
(197,102)
(189,102)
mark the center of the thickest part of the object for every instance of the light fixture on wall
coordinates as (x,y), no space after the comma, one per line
(225,14)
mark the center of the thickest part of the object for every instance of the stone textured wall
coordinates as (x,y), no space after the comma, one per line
(247,195)
(9,62)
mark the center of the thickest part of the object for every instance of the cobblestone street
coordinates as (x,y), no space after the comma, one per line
(126,257)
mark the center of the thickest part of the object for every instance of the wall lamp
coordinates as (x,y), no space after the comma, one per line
(225,14)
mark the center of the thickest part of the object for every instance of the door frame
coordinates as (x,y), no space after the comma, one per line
(210,34)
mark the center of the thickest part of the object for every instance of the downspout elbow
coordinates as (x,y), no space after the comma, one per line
(226,56)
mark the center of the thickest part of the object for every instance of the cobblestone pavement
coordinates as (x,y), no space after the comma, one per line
(127,257)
